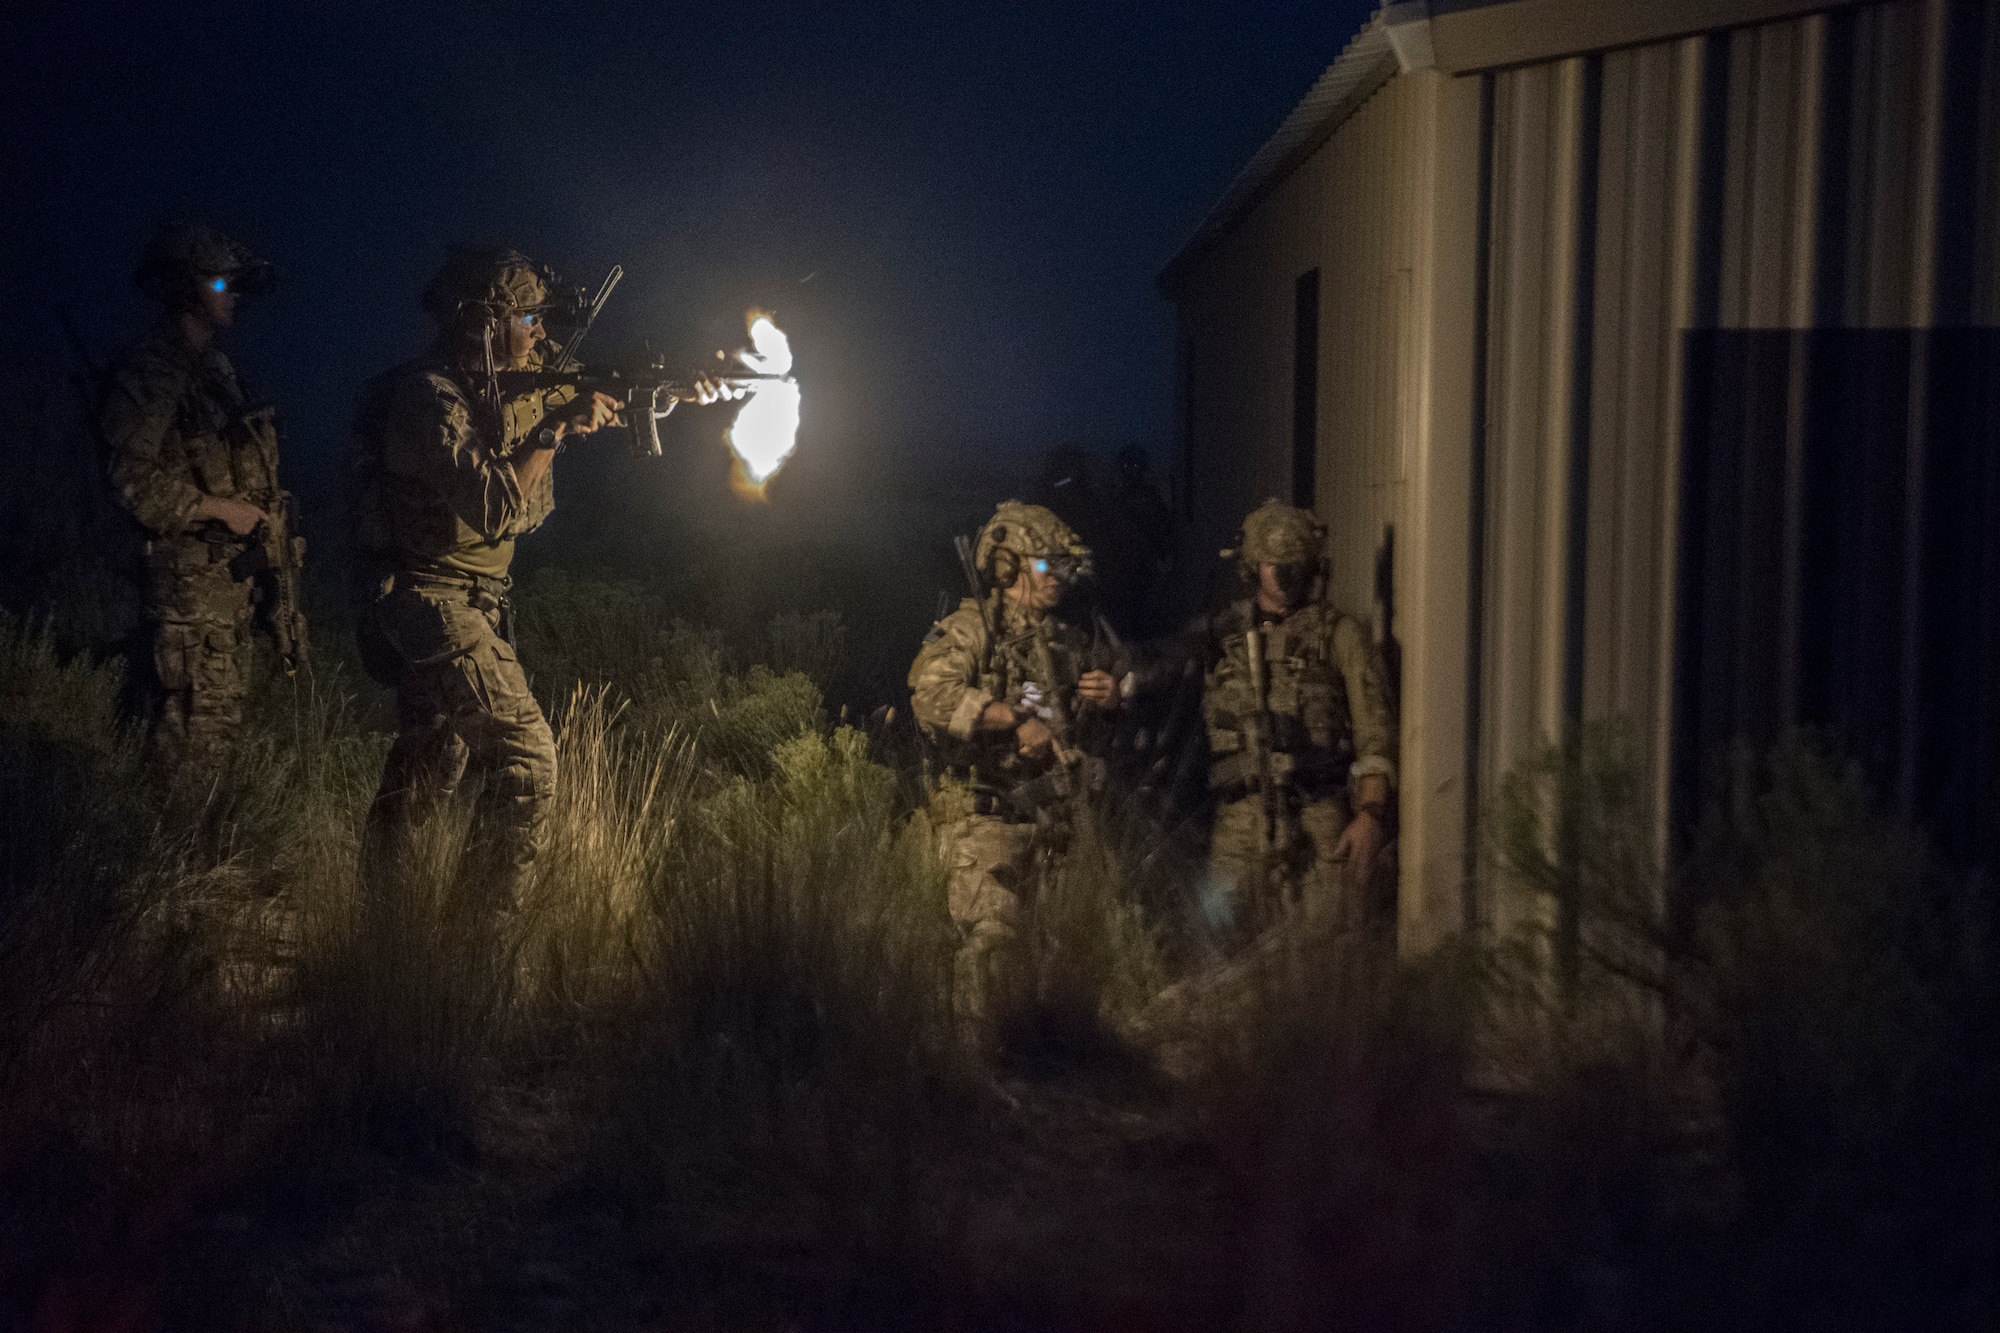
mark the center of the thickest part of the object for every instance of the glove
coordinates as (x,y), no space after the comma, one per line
(1035,702)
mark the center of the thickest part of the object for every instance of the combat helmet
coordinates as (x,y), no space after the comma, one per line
(1018,532)
(491,278)
(181,255)
(1279,534)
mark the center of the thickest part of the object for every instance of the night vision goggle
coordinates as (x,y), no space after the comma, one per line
(563,309)
(1064,567)
(251,280)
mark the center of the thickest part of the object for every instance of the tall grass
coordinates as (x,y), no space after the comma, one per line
(236,1064)
(730,913)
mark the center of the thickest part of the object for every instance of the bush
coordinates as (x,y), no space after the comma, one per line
(1783,1058)
(666,677)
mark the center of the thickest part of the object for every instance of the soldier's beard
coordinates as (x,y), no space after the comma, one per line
(1026,607)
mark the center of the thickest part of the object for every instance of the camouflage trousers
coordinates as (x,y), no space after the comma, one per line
(992,865)
(199,618)
(1259,874)
(464,713)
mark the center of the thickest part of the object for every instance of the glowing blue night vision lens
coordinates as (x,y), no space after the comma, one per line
(219,285)
(1041,566)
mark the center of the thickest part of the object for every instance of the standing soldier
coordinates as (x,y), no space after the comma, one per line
(194,458)
(1300,732)
(446,476)
(996,687)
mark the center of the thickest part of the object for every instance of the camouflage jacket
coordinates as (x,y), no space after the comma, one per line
(961,668)
(1324,715)
(434,486)
(178,427)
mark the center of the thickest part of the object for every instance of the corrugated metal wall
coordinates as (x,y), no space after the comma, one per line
(1352,212)
(1836,171)
(1785,176)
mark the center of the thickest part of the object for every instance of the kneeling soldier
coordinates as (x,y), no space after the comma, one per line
(996,687)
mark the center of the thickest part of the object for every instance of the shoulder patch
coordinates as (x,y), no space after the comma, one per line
(426,396)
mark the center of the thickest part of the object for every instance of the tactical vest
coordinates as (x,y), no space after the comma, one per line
(1303,712)
(400,521)
(1051,657)
(228,445)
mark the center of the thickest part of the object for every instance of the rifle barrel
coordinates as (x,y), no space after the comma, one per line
(622,384)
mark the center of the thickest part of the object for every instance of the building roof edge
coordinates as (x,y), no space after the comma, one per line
(1456,37)
(1367,62)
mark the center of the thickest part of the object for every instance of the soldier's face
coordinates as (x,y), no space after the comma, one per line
(519,332)
(1037,589)
(1283,586)
(217,306)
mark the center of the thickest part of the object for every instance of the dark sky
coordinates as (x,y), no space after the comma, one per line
(957,209)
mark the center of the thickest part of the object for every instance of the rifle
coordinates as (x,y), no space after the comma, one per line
(966,566)
(1257,732)
(975,586)
(649,390)
(274,560)
(649,395)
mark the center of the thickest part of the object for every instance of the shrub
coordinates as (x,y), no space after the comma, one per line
(1773,1059)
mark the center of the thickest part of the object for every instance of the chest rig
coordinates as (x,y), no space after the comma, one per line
(1046,655)
(229,444)
(1283,692)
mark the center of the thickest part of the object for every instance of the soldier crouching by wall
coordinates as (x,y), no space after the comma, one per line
(1301,737)
(996,687)
(194,458)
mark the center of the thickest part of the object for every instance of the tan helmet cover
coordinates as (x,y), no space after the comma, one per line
(1280,534)
(493,278)
(1027,530)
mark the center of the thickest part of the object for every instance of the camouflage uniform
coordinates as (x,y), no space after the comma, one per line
(1323,719)
(996,812)
(437,510)
(178,428)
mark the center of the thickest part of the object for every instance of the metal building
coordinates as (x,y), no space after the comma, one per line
(1650,351)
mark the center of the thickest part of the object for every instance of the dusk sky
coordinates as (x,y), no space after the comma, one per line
(957,210)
